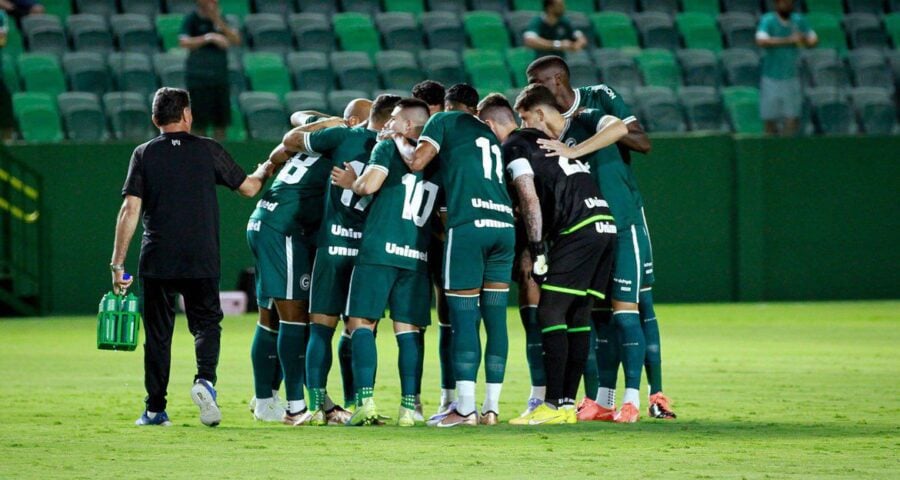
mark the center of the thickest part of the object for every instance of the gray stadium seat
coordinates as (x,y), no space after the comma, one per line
(89,33)
(657,30)
(317,6)
(134,33)
(741,67)
(745,6)
(142,7)
(264,115)
(864,31)
(875,7)
(170,69)
(870,68)
(660,110)
(338,99)
(831,112)
(399,31)
(311,71)
(624,6)
(312,31)
(129,115)
(97,7)
(875,110)
(444,66)
(828,72)
(354,70)
(44,34)
(277,7)
(617,68)
(305,100)
(82,117)
(132,72)
(703,108)
(398,69)
(443,30)
(582,71)
(738,29)
(665,6)
(268,32)
(699,67)
(454,6)
(87,72)
(517,21)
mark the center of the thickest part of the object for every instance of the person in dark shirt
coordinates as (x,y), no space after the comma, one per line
(206,35)
(551,33)
(171,186)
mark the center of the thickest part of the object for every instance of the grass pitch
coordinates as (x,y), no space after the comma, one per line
(762,391)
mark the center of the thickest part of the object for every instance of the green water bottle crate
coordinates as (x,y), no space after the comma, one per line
(118,322)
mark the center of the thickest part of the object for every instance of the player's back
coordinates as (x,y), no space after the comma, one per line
(296,198)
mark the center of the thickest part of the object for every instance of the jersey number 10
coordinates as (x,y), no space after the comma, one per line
(486,161)
(414,198)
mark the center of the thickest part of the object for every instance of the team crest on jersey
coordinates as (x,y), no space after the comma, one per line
(305,282)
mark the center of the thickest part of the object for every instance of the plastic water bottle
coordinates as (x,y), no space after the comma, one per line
(129,324)
(107,321)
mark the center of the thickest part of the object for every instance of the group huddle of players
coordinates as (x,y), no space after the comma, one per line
(370,210)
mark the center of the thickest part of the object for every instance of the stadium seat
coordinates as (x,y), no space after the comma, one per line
(811,56)
(87,72)
(264,115)
(356,32)
(614,30)
(665,6)
(129,115)
(266,72)
(699,30)
(148,8)
(702,108)
(741,67)
(582,71)
(827,71)
(657,30)
(486,30)
(517,22)
(82,116)
(134,33)
(368,7)
(132,72)
(338,100)
(317,6)
(443,30)
(390,91)
(893,57)
(870,68)
(90,33)
(831,112)
(659,68)
(168,27)
(268,32)
(14,43)
(11,77)
(399,31)
(499,6)
(236,79)
(60,8)
(275,7)
(354,70)
(180,6)
(37,116)
(312,31)
(875,7)
(97,7)
(518,59)
(617,68)
(745,6)
(398,69)
(699,67)
(453,6)
(532,5)
(170,68)
(623,6)
(410,6)
(487,71)
(311,71)
(583,7)
(709,7)
(660,110)
(305,100)
(864,31)
(41,72)
(44,34)
(580,21)
(236,131)
(742,107)
(739,29)
(876,112)
(892,26)
(831,7)
(828,29)
(443,66)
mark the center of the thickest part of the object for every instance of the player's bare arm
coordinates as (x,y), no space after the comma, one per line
(529,206)
(294,141)
(611,130)
(416,157)
(298,119)
(126,224)
(369,182)
(254,182)
(636,140)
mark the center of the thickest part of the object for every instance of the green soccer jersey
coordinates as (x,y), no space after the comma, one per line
(780,63)
(398,226)
(294,202)
(561,30)
(345,212)
(471,170)
(616,179)
(601,97)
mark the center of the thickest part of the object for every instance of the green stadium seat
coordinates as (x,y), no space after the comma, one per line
(699,30)
(582,71)
(669,7)
(14,43)
(305,100)
(410,6)
(699,68)
(354,70)
(268,32)
(486,30)
(87,72)
(168,28)
(266,72)
(614,30)
(870,68)
(831,111)
(876,111)
(533,5)
(10,76)
(831,7)
(90,33)
(864,31)
(183,7)
(875,7)
(744,6)
(134,33)
(264,115)
(741,67)
(236,131)
(317,6)
(518,59)
(312,32)
(702,108)
(82,116)
(517,22)
(104,8)
(487,71)
(60,8)
(617,68)
(453,6)
(660,110)
(37,116)
(892,26)
(170,68)
(338,100)
(368,7)
(398,69)
(443,30)
(241,8)
(659,68)
(41,72)
(709,7)
(129,116)
(150,8)
(742,108)
(739,29)
(311,71)
(583,7)
(828,28)
(399,31)
(657,30)
(132,72)
(623,6)
(442,66)
(44,34)
(356,32)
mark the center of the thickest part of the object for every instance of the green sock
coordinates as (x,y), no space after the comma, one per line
(591,375)
(445,354)
(653,361)
(263,356)
(365,358)
(407,364)
(533,346)
(606,348)
(631,346)
(345,359)
(496,349)
(420,360)
(292,340)
(464,316)
(318,363)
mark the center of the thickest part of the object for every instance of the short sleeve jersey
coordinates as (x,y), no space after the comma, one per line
(601,97)
(470,168)
(615,178)
(780,63)
(398,226)
(561,30)
(175,175)
(345,211)
(295,201)
(567,192)
(208,64)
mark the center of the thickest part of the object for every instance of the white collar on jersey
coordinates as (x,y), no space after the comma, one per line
(574,108)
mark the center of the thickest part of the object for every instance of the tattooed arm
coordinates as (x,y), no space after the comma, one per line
(529,207)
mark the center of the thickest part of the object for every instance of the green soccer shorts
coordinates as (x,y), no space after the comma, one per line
(475,255)
(282,263)
(407,292)
(331,279)
(634,264)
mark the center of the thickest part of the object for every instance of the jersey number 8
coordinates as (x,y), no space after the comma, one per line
(295,169)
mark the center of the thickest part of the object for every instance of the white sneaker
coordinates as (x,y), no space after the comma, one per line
(418,414)
(268,410)
(204,396)
(253,404)
(442,414)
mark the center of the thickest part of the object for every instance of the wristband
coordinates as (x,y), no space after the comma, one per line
(557,44)
(116,267)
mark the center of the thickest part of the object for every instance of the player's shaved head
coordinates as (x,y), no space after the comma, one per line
(461,97)
(381,110)
(534,96)
(496,108)
(413,110)
(357,111)
(432,93)
(551,64)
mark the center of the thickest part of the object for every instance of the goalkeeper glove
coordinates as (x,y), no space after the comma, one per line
(540,265)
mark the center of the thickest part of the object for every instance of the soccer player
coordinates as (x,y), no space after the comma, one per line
(391,268)
(337,245)
(553,73)
(479,249)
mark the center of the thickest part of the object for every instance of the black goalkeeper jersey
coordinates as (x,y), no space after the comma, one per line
(568,194)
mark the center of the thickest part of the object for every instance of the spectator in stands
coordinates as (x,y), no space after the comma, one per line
(208,38)
(21,8)
(551,33)
(7,125)
(780,34)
